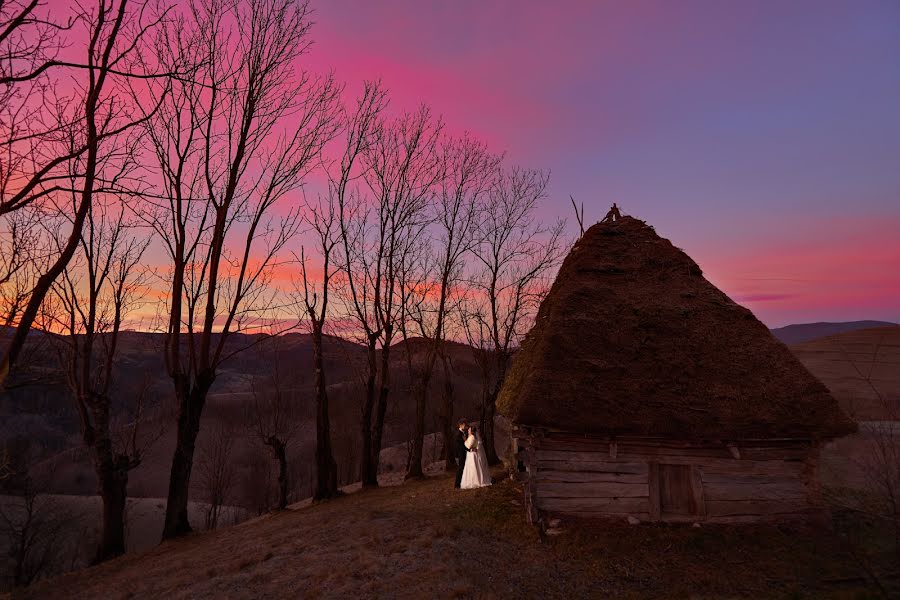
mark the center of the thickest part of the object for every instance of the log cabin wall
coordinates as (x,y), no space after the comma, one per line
(666,480)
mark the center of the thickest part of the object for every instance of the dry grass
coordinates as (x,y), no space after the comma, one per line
(861,368)
(426,540)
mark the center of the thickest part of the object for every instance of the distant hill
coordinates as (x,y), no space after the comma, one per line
(861,368)
(804,332)
(39,424)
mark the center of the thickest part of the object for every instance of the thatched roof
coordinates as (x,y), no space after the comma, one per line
(633,340)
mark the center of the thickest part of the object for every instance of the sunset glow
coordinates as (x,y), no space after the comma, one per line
(763,138)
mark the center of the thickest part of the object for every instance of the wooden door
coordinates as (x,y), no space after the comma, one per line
(675,492)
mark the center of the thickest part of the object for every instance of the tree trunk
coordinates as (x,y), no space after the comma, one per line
(326,467)
(414,470)
(447,417)
(381,410)
(278,448)
(368,477)
(488,410)
(112,475)
(190,405)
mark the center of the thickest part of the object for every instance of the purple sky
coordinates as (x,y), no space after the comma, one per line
(761,137)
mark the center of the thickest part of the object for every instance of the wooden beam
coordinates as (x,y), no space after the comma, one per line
(653,481)
(590,477)
(698,493)
(591,490)
(597,466)
(612,505)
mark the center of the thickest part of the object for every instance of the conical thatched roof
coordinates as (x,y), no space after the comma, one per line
(633,340)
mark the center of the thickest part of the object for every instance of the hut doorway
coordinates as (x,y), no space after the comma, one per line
(676,492)
(676,496)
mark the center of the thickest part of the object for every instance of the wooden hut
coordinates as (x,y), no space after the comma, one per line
(645,391)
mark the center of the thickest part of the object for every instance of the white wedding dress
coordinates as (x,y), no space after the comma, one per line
(476,473)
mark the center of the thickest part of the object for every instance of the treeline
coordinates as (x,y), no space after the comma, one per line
(176,159)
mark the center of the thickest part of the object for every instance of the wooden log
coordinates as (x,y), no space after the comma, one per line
(603,515)
(572,456)
(604,466)
(671,442)
(555,443)
(741,491)
(698,493)
(733,508)
(800,515)
(770,468)
(745,478)
(786,453)
(628,452)
(653,488)
(613,505)
(591,490)
(590,476)
(629,449)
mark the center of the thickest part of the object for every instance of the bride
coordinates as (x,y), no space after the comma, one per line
(476,473)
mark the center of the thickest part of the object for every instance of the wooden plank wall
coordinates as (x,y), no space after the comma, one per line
(590,477)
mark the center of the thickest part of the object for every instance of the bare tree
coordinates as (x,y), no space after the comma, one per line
(359,129)
(217,472)
(401,168)
(21,248)
(44,133)
(468,170)
(89,304)
(231,142)
(273,415)
(322,218)
(878,462)
(516,253)
(34,525)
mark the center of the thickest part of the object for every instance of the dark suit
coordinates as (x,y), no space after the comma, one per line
(461,451)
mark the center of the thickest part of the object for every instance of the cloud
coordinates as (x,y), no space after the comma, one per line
(763,297)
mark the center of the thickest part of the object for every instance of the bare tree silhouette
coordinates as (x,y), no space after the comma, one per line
(230,142)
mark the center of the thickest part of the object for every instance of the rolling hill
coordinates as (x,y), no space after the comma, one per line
(804,332)
(861,368)
(39,423)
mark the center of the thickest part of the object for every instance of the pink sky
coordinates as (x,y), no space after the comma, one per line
(763,138)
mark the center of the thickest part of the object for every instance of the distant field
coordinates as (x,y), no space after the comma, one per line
(861,368)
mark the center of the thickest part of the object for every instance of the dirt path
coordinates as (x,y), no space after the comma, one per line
(426,540)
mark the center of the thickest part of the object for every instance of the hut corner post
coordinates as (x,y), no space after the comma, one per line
(527,442)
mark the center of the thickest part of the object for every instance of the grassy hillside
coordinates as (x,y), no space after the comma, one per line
(861,368)
(39,420)
(424,539)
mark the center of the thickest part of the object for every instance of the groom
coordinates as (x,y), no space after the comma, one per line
(460,449)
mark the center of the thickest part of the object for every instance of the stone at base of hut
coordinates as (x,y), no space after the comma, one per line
(633,520)
(554,523)
(553,531)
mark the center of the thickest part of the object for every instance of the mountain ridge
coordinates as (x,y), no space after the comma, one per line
(798,333)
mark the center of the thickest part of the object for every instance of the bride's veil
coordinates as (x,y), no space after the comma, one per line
(482,455)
